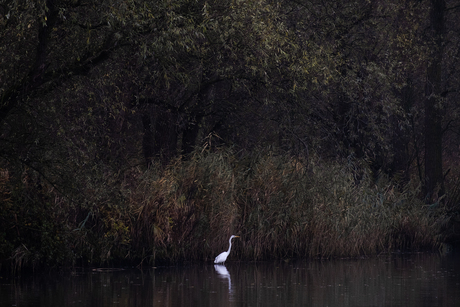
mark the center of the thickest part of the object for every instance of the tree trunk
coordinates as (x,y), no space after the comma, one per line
(190,135)
(165,135)
(434,186)
(148,139)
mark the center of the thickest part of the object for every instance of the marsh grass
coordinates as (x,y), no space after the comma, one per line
(180,210)
(280,206)
(324,211)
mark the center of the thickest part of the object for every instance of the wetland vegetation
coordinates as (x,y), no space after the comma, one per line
(138,132)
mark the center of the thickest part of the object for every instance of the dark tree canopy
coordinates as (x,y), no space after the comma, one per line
(126,81)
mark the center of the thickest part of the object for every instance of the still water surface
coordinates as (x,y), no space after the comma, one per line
(408,280)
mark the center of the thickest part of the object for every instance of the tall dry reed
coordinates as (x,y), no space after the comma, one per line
(280,206)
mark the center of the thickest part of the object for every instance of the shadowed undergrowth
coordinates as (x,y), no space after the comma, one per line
(281,207)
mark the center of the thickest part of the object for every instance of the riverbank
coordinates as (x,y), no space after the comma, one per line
(281,207)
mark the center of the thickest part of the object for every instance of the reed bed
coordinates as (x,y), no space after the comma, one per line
(280,206)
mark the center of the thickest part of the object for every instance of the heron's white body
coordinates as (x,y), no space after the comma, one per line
(223,256)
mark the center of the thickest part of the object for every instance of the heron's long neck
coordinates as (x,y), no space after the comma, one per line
(230,247)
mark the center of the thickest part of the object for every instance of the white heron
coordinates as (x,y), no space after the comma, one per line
(223,256)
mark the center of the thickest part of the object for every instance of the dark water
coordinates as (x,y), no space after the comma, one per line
(409,280)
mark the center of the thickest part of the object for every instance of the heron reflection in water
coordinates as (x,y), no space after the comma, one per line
(224,274)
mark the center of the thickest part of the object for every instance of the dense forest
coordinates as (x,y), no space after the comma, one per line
(143,131)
